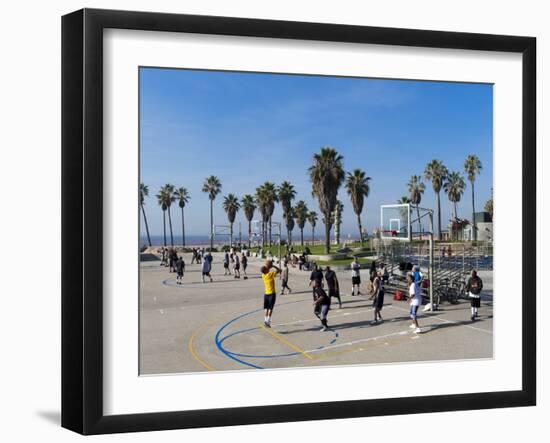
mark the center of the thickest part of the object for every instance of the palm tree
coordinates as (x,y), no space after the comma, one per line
(289,222)
(337,220)
(144,192)
(454,188)
(416,188)
(326,176)
(249,206)
(403,200)
(231,206)
(285,195)
(261,201)
(169,199)
(163,198)
(357,185)
(266,196)
(182,196)
(301,212)
(212,187)
(472,167)
(437,173)
(312,218)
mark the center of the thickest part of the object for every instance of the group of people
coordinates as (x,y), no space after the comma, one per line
(233,258)
(378,277)
(175,263)
(321,298)
(197,255)
(170,258)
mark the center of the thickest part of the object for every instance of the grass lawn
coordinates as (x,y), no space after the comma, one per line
(315,250)
(343,262)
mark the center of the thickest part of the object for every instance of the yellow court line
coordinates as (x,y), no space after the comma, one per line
(286,342)
(194,354)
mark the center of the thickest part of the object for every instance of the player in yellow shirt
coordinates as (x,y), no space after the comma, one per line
(269,271)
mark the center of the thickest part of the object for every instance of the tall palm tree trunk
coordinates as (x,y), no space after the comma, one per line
(231,235)
(313,235)
(474,228)
(164,226)
(146,225)
(302,237)
(327,234)
(360,228)
(170,224)
(455,233)
(182,228)
(418,216)
(249,232)
(211,224)
(438,217)
(270,231)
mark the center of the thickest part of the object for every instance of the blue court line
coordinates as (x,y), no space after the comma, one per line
(229,354)
(242,331)
(222,349)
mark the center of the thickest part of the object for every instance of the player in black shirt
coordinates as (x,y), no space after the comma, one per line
(333,285)
(316,278)
(322,305)
(180,268)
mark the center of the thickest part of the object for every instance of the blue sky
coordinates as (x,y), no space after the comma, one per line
(247,128)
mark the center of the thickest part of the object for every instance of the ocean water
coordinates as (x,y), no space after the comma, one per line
(158,240)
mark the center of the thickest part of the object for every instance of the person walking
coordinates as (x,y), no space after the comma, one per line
(173,256)
(180,269)
(372,271)
(226,270)
(315,278)
(321,305)
(333,285)
(378,303)
(206,268)
(200,255)
(284,278)
(237,265)
(415,300)
(474,285)
(269,271)
(355,276)
(244,263)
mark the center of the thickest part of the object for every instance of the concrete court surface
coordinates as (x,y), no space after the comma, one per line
(219,326)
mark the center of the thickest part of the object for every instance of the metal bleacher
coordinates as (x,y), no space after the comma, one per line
(450,271)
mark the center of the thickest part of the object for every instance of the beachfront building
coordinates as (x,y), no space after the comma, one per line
(461,229)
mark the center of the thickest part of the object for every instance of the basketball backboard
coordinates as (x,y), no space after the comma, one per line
(395,222)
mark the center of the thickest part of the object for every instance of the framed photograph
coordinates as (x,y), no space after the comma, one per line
(269,221)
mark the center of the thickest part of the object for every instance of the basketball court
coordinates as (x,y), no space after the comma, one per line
(219,326)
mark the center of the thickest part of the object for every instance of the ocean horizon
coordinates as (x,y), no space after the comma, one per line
(199,240)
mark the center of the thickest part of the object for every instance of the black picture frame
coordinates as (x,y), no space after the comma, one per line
(82,218)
